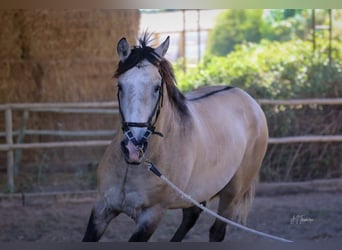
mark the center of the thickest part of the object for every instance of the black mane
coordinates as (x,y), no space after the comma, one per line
(144,52)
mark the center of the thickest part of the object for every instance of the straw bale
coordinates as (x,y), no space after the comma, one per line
(78,81)
(61,56)
(77,33)
(10,34)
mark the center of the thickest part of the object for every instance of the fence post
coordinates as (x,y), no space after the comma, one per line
(20,139)
(183,42)
(10,154)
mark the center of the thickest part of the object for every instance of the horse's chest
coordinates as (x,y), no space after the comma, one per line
(129,202)
(132,204)
(133,194)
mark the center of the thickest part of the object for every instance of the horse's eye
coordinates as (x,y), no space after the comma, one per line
(119,87)
(156,89)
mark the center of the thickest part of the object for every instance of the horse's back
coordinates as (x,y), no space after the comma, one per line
(228,101)
(222,102)
(206,91)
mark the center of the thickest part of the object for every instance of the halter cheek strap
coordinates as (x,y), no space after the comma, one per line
(150,128)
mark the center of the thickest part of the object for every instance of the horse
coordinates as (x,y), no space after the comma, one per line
(210,143)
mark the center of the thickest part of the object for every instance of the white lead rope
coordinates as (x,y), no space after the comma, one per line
(185,196)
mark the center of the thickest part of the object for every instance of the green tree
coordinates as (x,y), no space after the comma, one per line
(286,24)
(234,27)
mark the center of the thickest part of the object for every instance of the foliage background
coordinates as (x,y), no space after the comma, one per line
(271,56)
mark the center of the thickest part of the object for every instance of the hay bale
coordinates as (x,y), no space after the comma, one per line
(78,81)
(47,50)
(61,56)
(70,34)
(57,55)
(10,33)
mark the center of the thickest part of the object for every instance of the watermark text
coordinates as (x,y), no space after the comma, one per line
(300,219)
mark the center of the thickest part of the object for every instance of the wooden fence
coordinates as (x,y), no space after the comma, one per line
(112,108)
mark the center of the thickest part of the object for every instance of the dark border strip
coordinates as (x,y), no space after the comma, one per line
(210,94)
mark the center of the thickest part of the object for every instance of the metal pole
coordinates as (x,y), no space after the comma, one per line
(10,154)
(156,38)
(198,36)
(20,139)
(184,41)
(330,36)
(313,30)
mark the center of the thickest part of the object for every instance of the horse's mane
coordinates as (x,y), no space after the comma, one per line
(143,52)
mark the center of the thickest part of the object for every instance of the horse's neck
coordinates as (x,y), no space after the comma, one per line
(171,124)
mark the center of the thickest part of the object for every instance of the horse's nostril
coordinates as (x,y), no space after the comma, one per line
(133,154)
(124,148)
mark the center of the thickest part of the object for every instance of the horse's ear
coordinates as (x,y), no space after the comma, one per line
(123,49)
(162,49)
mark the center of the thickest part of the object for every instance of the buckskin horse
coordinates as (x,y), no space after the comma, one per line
(209,142)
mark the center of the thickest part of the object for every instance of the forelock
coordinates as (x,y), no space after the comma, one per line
(138,54)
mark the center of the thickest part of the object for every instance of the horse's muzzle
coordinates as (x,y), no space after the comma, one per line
(134,154)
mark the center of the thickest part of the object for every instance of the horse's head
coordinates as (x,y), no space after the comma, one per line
(140,95)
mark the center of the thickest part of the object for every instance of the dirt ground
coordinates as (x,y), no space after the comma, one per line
(302,216)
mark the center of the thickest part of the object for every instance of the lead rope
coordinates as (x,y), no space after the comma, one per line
(187,197)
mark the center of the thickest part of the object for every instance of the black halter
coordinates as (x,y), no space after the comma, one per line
(149,125)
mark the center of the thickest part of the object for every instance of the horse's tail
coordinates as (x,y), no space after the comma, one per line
(244,203)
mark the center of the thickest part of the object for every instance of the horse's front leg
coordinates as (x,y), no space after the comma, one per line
(99,219)
(147,223)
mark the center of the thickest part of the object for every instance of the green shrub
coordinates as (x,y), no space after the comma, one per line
(271,70)
(284,70)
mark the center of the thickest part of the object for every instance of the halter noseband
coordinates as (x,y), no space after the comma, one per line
(149,125)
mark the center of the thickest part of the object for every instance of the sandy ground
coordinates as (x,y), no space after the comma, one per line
(309,216)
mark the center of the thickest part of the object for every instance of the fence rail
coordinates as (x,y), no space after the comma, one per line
(64,133)
(305,139)
(314,101)
(66,105)
(112,108)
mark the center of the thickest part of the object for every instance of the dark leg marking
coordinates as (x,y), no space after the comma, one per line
(143,234)
(147,223)
(226,209)
(190,216)
(217,231)
(97,224)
